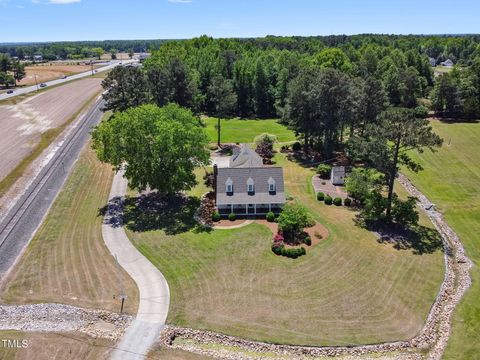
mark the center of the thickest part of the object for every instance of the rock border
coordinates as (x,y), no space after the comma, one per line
(63,318)
(433,336)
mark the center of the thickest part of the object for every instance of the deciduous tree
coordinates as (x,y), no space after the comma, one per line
(158,147)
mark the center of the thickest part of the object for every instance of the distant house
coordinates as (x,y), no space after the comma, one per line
(432,62)
(447,63)
(337,175)
(38,57)
(247,187)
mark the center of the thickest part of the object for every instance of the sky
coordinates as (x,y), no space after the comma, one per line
(59,20)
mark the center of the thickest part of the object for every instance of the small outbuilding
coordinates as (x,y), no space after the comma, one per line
(338,174)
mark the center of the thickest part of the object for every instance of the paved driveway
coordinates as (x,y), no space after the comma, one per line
(153,288)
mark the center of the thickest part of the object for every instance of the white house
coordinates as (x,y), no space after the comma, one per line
(247,187)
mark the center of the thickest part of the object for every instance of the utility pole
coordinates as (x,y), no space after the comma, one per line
(36,83)
(91,64)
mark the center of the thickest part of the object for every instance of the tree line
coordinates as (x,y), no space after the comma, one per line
(366,96)
(77,49)
(11,71)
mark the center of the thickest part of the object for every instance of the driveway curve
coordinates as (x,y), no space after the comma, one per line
(153,288)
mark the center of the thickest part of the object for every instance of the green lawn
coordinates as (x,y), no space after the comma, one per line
(451,180)
(349,289)
(244,131)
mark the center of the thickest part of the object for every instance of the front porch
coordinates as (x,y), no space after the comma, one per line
(249,209)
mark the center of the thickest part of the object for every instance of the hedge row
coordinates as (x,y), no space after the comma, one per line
(329,200)
(288,252)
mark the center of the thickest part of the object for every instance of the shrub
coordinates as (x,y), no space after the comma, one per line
(318,235)
(296,146)
(320,196)
(337,201)
(421,112)
(290,253)
(216,216)
(324,170)
(347,202)
(308,241)
(278,238)
(328,200)
(232,217)
(277,249)
(270,216)
(285,148)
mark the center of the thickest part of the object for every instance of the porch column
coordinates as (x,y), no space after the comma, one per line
(246,209)
(255,209)
(270,207)
(231,208)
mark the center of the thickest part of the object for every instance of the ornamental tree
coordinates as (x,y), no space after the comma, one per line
(293,219)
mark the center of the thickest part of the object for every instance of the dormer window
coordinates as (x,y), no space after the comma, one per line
(272,187)
(229,186)
(250,186)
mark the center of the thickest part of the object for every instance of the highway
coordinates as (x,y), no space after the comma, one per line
(21,222)
(29,89)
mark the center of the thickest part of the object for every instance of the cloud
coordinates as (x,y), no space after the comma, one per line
(180,1)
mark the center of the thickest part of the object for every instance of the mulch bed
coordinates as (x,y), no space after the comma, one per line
(317,228)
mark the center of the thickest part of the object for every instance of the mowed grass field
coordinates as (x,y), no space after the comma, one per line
(451,180)
(67,261)
(244,131)
(348,289)
(55,346)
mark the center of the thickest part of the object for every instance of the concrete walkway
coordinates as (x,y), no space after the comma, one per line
(237,226)
(153,288)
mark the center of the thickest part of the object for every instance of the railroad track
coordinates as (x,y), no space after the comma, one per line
(14,217)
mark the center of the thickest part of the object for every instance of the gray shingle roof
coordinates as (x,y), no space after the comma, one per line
(244,156)
(260,176)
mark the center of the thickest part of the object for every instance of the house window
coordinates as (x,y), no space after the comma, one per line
(271,185)
(250,186)
(229,186)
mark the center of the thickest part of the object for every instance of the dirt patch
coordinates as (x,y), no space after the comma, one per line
(49,72)
(23,123)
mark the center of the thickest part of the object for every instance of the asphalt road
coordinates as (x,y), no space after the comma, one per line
(28,89)
(19,225)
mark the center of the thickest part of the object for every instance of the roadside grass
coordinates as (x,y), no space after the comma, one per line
(54,346)
(451,180)
(67,260)
(348,289)
(46,138)
(244,131)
